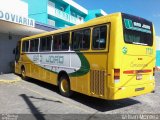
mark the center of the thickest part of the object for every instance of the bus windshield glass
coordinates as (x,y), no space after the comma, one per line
(137,30)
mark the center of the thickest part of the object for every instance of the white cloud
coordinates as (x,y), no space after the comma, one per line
(158,42)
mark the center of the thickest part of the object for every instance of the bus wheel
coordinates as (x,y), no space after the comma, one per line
(64,86)
(23,73)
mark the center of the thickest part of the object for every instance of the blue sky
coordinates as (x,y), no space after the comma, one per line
(148,9)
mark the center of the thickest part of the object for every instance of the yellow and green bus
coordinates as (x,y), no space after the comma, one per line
(111,57)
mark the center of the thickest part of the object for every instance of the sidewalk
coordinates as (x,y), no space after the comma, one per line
(9,78)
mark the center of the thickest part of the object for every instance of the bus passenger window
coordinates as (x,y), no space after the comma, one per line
(25,46)
(85,43)
(99,37)
(76,38)
(81,39)
(61,42)
(45,44)
(65,41)
(34,45)
(57,42)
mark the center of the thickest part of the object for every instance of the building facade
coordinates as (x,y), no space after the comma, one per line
(15,24)
(60,13)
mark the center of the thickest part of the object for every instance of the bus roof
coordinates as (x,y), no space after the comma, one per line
(92,22)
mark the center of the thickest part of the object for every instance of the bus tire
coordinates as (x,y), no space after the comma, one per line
(23,73)
(64,86)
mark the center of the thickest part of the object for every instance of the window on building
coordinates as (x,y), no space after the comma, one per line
(73,14)
(80,18)
(45,43)
(99,37)
(51,22)
(66,26)
(62,9)
(51,4)
(34,45)
(25,46)
(50,7)
(61,42)
(81,39)
(98,15)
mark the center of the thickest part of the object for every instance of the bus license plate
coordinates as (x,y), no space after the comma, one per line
(139,76)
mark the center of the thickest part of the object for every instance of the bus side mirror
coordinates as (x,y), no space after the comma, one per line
(14,51)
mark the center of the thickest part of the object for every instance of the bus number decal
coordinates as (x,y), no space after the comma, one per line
(149,51)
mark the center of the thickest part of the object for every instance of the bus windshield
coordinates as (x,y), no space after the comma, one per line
(137,30)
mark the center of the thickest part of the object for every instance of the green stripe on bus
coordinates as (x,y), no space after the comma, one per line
(85,66)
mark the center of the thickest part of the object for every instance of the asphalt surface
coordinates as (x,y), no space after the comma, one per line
(35,97)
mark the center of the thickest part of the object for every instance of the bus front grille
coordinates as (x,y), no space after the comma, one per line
(97,78)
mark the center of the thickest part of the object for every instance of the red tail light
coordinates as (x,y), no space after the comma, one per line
(136,71)
(116,74)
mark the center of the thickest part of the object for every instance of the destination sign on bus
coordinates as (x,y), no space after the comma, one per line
(132,25)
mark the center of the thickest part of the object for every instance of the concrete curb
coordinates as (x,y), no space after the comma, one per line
(10,81)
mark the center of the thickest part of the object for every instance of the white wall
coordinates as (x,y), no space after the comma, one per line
(6,52)
(17,7)
(158,42)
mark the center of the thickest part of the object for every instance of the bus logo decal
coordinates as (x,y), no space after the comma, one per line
(124,50)
(55,63)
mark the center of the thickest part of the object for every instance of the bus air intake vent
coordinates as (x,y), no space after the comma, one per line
(97,82)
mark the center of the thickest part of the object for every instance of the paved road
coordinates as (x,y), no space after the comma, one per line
(26,97)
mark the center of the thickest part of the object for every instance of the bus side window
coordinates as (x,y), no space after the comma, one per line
(85,43)
(25,46)
(34,45)
(81,39)
(61,42)
(76,38)
(45,43)
(57,42)
(99,37)
(65,41)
